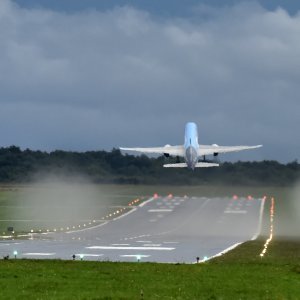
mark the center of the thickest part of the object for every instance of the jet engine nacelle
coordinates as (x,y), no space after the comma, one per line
(215,153)
(167,154)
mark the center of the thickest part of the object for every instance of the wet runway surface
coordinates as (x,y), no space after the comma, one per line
(163,229)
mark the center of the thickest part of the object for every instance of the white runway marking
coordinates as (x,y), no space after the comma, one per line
(124,215)
(143,241)
(144,203)
(152,245)
(131,248)
(160,210)
(120,244)
(170,242)
(87,255)
(262,206)
(39,254)
(85,229)
(222,252)
(235,212)
(134,255)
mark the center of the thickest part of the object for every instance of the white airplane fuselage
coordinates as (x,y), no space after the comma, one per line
(191,145)
(191,151)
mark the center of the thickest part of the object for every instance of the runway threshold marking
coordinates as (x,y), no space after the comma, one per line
(38,254)
(131,248)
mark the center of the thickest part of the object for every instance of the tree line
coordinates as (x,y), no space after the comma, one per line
(23,166)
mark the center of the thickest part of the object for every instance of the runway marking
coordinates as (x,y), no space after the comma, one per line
(124,215)
(152,220)
(134,255)
(131,248)
(160,210)
(235,212)
(262,206)
(85,229)
(143,241)
(120,244)
(87,255)
(221,253)
(174,229)
(23,235)
(152,245)
(39,254)
(144,203)
(170,242)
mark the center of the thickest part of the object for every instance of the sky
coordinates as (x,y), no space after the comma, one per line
(91,75)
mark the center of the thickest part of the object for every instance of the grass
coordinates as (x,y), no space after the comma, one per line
(241,274)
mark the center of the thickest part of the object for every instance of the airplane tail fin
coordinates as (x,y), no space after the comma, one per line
(198,165)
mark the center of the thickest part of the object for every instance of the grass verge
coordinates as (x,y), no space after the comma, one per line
(241,274)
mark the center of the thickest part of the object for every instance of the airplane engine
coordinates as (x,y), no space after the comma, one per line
(167,154)
(215,153)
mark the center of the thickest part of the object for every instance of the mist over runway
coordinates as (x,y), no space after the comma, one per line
(161,229)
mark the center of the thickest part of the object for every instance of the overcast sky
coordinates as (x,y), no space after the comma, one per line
(129,73)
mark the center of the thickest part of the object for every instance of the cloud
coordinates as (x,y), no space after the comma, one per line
(99,79)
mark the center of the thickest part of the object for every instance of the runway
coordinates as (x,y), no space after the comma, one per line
(163,229)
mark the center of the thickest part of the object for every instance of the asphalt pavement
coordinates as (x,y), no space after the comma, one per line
(163,229)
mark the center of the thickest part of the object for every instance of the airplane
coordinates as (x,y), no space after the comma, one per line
(191,151)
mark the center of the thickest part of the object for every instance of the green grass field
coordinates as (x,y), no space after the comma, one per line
(240,274)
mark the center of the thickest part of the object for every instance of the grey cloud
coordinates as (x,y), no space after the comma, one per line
(93,80)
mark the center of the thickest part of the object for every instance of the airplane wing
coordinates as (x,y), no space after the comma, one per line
(171,150)
(211,149)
